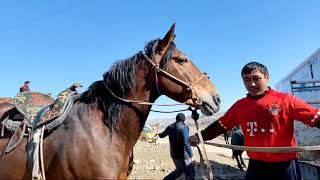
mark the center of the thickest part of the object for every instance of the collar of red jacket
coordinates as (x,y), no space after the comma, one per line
(260,96)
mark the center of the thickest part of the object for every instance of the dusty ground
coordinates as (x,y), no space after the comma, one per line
(154,162)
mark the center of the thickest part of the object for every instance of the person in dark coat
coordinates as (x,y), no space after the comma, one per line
(180,149)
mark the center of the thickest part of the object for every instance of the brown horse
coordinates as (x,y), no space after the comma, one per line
(97,137)
(6,100)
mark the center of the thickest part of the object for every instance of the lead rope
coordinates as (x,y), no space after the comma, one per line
(202,163)
(287,149)
(195,117)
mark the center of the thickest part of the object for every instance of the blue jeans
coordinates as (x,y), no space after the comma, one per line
(182,166)
(259,170)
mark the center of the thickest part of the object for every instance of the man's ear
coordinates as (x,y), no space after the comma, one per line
(267,77)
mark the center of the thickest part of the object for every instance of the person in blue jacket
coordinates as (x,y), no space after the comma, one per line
(180,149)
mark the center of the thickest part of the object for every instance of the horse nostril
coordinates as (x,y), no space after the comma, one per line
(218,99)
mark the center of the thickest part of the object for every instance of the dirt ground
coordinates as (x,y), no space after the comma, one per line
(154,162)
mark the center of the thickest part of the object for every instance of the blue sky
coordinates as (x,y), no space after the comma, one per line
(56,43)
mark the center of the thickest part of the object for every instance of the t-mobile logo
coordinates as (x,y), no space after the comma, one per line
(252,127)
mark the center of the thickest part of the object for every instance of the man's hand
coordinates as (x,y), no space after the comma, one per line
(194,140)
(156,135)
(193,161)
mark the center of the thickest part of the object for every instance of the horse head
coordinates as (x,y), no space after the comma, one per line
(178,78)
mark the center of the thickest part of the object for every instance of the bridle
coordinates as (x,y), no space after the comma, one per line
(193,101)
(177,80)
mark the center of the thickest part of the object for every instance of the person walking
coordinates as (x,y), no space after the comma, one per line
(180,149)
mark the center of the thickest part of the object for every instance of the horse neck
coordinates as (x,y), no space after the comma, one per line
(135,115)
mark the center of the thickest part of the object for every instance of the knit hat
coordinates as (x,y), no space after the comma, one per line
(180,117)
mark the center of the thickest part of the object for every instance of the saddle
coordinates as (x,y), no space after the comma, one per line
(30,103)
(41,110)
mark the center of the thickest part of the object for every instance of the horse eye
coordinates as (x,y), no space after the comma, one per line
(181,60)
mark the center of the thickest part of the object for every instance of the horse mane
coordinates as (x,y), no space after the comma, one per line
(120,79)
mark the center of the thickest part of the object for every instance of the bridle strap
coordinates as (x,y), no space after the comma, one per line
(156,66)
(136,101)
(157,70)
(167,74)
(196,82)
(157,80)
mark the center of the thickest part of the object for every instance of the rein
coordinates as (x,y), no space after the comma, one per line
(138,102)
(167,74)
(187,109)
(267,149)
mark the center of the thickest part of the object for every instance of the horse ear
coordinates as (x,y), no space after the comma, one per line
(168,38)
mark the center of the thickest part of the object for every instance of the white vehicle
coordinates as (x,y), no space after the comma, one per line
(304,82)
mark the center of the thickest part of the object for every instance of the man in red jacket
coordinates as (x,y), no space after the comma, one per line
(25,87)
(266,117)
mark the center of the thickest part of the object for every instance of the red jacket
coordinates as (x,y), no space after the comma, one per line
(268,121)
(24,88)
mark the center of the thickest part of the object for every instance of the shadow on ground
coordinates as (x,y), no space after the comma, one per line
(221,171)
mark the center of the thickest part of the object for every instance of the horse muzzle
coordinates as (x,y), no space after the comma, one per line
(194,102)
(208,105)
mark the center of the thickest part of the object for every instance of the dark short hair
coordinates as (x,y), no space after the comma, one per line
(248,68)
(26,82)
(180,117)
